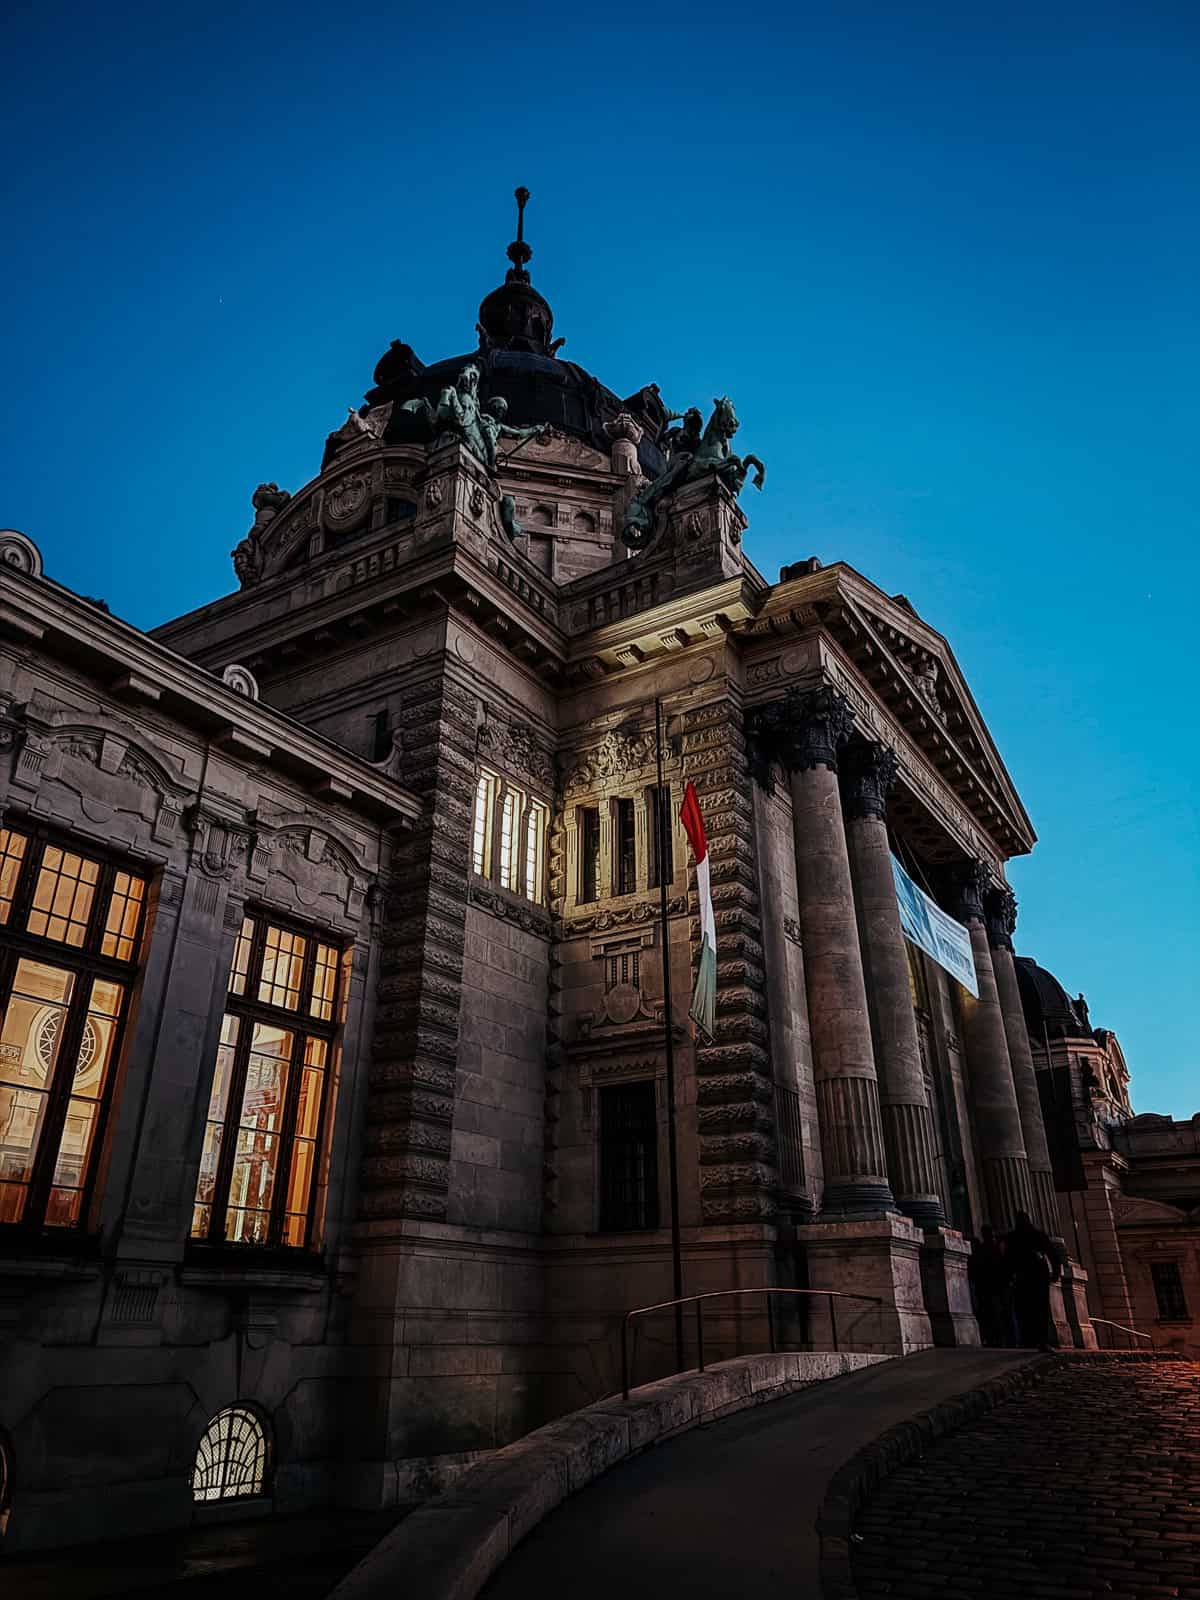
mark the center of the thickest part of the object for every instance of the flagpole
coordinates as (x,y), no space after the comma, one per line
(661,818)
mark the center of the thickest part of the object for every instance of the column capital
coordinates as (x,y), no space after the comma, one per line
(967,882)
(868,771)
(805,729)
(1000,915)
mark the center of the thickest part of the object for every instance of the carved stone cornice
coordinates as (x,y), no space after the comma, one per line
(966,884)
(806,728)
(868,771)
(515,747)
(1000,915)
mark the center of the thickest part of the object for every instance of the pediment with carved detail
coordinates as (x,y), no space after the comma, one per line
(1128,1210)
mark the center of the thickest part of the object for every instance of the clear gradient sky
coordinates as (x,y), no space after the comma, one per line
(944,257)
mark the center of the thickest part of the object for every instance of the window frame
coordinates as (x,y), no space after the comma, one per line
(502,833)
(590,861)
(609,1146)
(249,1010)
(87,965)
(1173,1290)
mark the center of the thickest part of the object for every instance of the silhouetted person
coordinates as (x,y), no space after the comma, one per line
(1033,1262)
(989,1273)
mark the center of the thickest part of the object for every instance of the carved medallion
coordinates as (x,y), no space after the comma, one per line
(347,498)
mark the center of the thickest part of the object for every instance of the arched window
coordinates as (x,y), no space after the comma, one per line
(231,1463)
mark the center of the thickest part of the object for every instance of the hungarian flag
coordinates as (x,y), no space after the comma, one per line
(704,995)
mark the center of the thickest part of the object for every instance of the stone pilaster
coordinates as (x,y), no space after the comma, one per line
(805,731)
(868,771)
(411,1101)
(733,1072)
(1001,1142)
(1000,915)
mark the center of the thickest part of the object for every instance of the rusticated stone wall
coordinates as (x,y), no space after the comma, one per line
(734,1087)
(406,1168)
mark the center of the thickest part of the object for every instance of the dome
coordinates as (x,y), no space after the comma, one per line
(517,358)
(1046,1003)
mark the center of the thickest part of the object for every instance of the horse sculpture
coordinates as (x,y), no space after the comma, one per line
(689,460)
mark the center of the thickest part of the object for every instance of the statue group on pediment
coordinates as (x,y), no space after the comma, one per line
(461,418)
(693,450)
(268,501)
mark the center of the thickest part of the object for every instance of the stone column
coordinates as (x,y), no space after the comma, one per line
(805,731)
(868,771)
(997,1116)
(1000,914)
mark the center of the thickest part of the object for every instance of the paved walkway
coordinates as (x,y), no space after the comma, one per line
(301,1557)
(730,1509)
(1087,1486)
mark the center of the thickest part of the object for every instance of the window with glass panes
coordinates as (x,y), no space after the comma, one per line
(508,836)
(70,928)
(269,1104)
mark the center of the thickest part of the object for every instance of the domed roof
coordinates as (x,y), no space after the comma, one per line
(517,358)
(1046,1002)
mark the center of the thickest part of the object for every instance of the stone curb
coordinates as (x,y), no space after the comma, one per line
(450,1547)
(854,1483)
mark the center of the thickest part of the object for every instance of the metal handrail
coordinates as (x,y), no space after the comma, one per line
(718,1294)
(1108,1323)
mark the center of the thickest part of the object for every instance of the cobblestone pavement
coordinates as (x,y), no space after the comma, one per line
(1087,1485)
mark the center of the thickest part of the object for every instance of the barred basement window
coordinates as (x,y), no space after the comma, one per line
(269,1105)
(1168,1291)
(628,1158)
(231,1462)
(71,929)
(625,966)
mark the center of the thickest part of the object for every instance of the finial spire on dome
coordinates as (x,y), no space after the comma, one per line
(519,252)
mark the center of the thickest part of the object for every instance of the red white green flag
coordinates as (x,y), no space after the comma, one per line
(704,995)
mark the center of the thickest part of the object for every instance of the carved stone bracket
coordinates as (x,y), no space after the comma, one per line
(967,884)
(1000,914)
(806,728)
(868,771)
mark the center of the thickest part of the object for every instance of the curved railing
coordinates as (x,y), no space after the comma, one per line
(1136,1332)
(697,1300)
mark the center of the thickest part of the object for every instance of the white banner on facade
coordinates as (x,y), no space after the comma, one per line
(931,930)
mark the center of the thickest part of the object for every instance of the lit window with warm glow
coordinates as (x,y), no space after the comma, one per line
(72,930)
(508,839)
(268,1108)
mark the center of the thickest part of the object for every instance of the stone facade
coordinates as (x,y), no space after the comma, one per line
(1128,1186)
(421,736)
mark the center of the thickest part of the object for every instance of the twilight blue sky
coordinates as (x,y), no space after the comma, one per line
(943,257)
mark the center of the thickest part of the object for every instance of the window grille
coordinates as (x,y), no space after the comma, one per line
(589,852)
(628,1157)
(268,1106)
(625,966)
(658,801)
(71,930)
(1168,1291)
(626,851)
(231,1461)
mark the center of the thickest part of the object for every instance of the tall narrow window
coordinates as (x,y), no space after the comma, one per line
(512,815)
(588,822)
(72,925)
(381,736)
(268,1107)
(628,1158)
(626,848)
(481,833)
(535,851)
(658,805)
(1168,1291)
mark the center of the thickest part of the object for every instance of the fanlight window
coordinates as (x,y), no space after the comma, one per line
(231,1463)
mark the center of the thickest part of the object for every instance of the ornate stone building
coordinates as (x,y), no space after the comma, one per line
(1128,1186)
(333,1112)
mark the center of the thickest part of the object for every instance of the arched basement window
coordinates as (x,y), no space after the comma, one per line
(231,1463)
